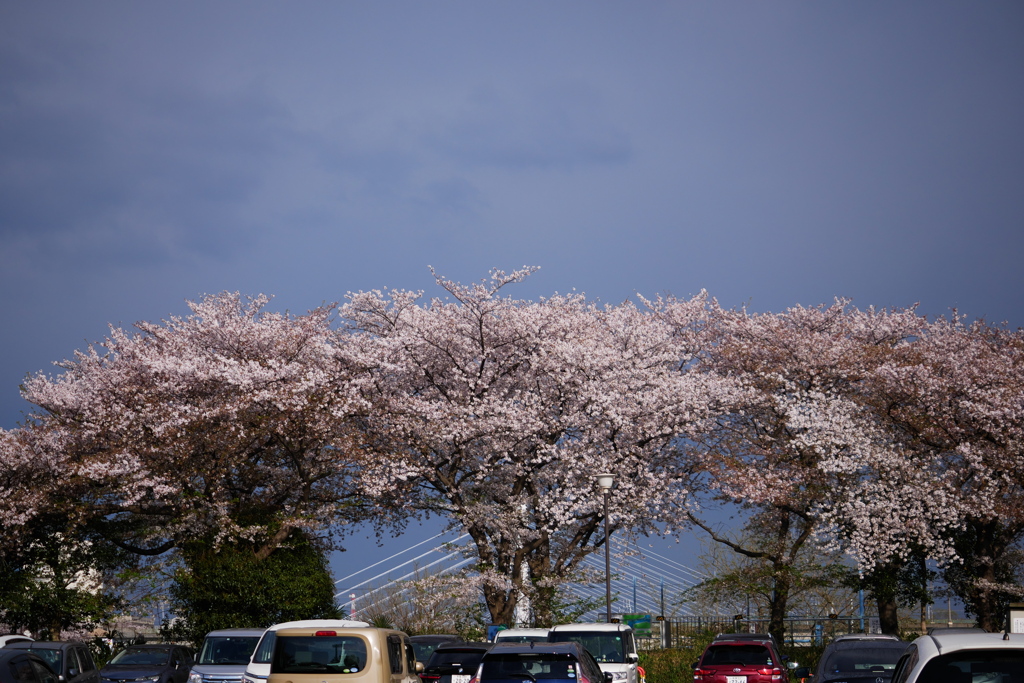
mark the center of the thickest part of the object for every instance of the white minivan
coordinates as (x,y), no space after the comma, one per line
(521,635)
(612,645)
(258,669)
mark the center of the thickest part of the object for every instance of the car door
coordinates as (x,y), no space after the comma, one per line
(182,664)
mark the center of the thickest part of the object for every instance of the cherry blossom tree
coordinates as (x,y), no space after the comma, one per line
(955,400)
(498,413)
(231,423)
(800,436)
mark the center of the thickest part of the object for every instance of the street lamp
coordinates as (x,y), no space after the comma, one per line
(605,481)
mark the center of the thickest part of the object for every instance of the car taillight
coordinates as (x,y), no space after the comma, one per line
(776,674)
(430,678)
(699,674)
(326,633)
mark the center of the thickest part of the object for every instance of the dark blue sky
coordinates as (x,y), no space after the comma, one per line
(772,153)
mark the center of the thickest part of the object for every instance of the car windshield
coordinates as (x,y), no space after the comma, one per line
(55,658)
(521,639)
(530,665)
(466,660)
(319,654)
(227,649)
(742,655)
(424,650)
(865,659)
(604,646)
(134,657)
(976,666)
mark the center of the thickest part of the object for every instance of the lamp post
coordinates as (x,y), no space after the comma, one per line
(605,481)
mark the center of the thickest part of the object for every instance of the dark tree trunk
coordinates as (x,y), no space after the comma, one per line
(778,604)
(888,616)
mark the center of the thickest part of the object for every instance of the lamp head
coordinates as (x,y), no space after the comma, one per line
(605,480)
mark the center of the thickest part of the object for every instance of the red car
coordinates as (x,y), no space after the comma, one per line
(741,659)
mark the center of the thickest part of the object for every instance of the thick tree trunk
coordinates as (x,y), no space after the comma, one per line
(888,616)
(501,605)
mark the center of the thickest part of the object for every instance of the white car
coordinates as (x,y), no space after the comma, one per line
(521,635)
(258,669)
(14,638)
(962,658)
(612,645)
(224,656)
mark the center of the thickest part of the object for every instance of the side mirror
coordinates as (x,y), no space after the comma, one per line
(71,673)
(802,672)
(632,657)
(608,678)
(694,665)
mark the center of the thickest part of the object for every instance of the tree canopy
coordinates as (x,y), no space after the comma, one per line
(877,432)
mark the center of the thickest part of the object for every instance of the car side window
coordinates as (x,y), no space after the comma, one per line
(85,659)
(905,665)
(395,653)
(593,668)
(410,656)
(22,671)
(44,673)
(72,663)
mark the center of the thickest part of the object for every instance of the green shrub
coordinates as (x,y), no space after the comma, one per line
(675,665)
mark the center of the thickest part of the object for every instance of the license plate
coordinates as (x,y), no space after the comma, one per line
(735,679)
(462,678)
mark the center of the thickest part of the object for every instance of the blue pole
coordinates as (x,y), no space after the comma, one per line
(860,594)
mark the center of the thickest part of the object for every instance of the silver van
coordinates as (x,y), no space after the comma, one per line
(224,655)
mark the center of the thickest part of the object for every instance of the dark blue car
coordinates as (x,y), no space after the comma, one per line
(148,664)
(535,662)
(71,661)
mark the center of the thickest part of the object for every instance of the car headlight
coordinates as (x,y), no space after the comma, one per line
(195,678)
(619,675)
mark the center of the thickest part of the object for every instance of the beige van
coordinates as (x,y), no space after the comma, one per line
(343,655)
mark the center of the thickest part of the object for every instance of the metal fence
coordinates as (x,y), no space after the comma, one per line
(800,631)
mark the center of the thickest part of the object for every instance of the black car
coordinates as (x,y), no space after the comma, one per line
(858,658)
(425,645)
(454,662)
(149,664)
(71,661)
(18,666)
(567,662)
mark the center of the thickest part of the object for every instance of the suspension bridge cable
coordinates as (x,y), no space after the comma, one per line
(418,557)
(392,557)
